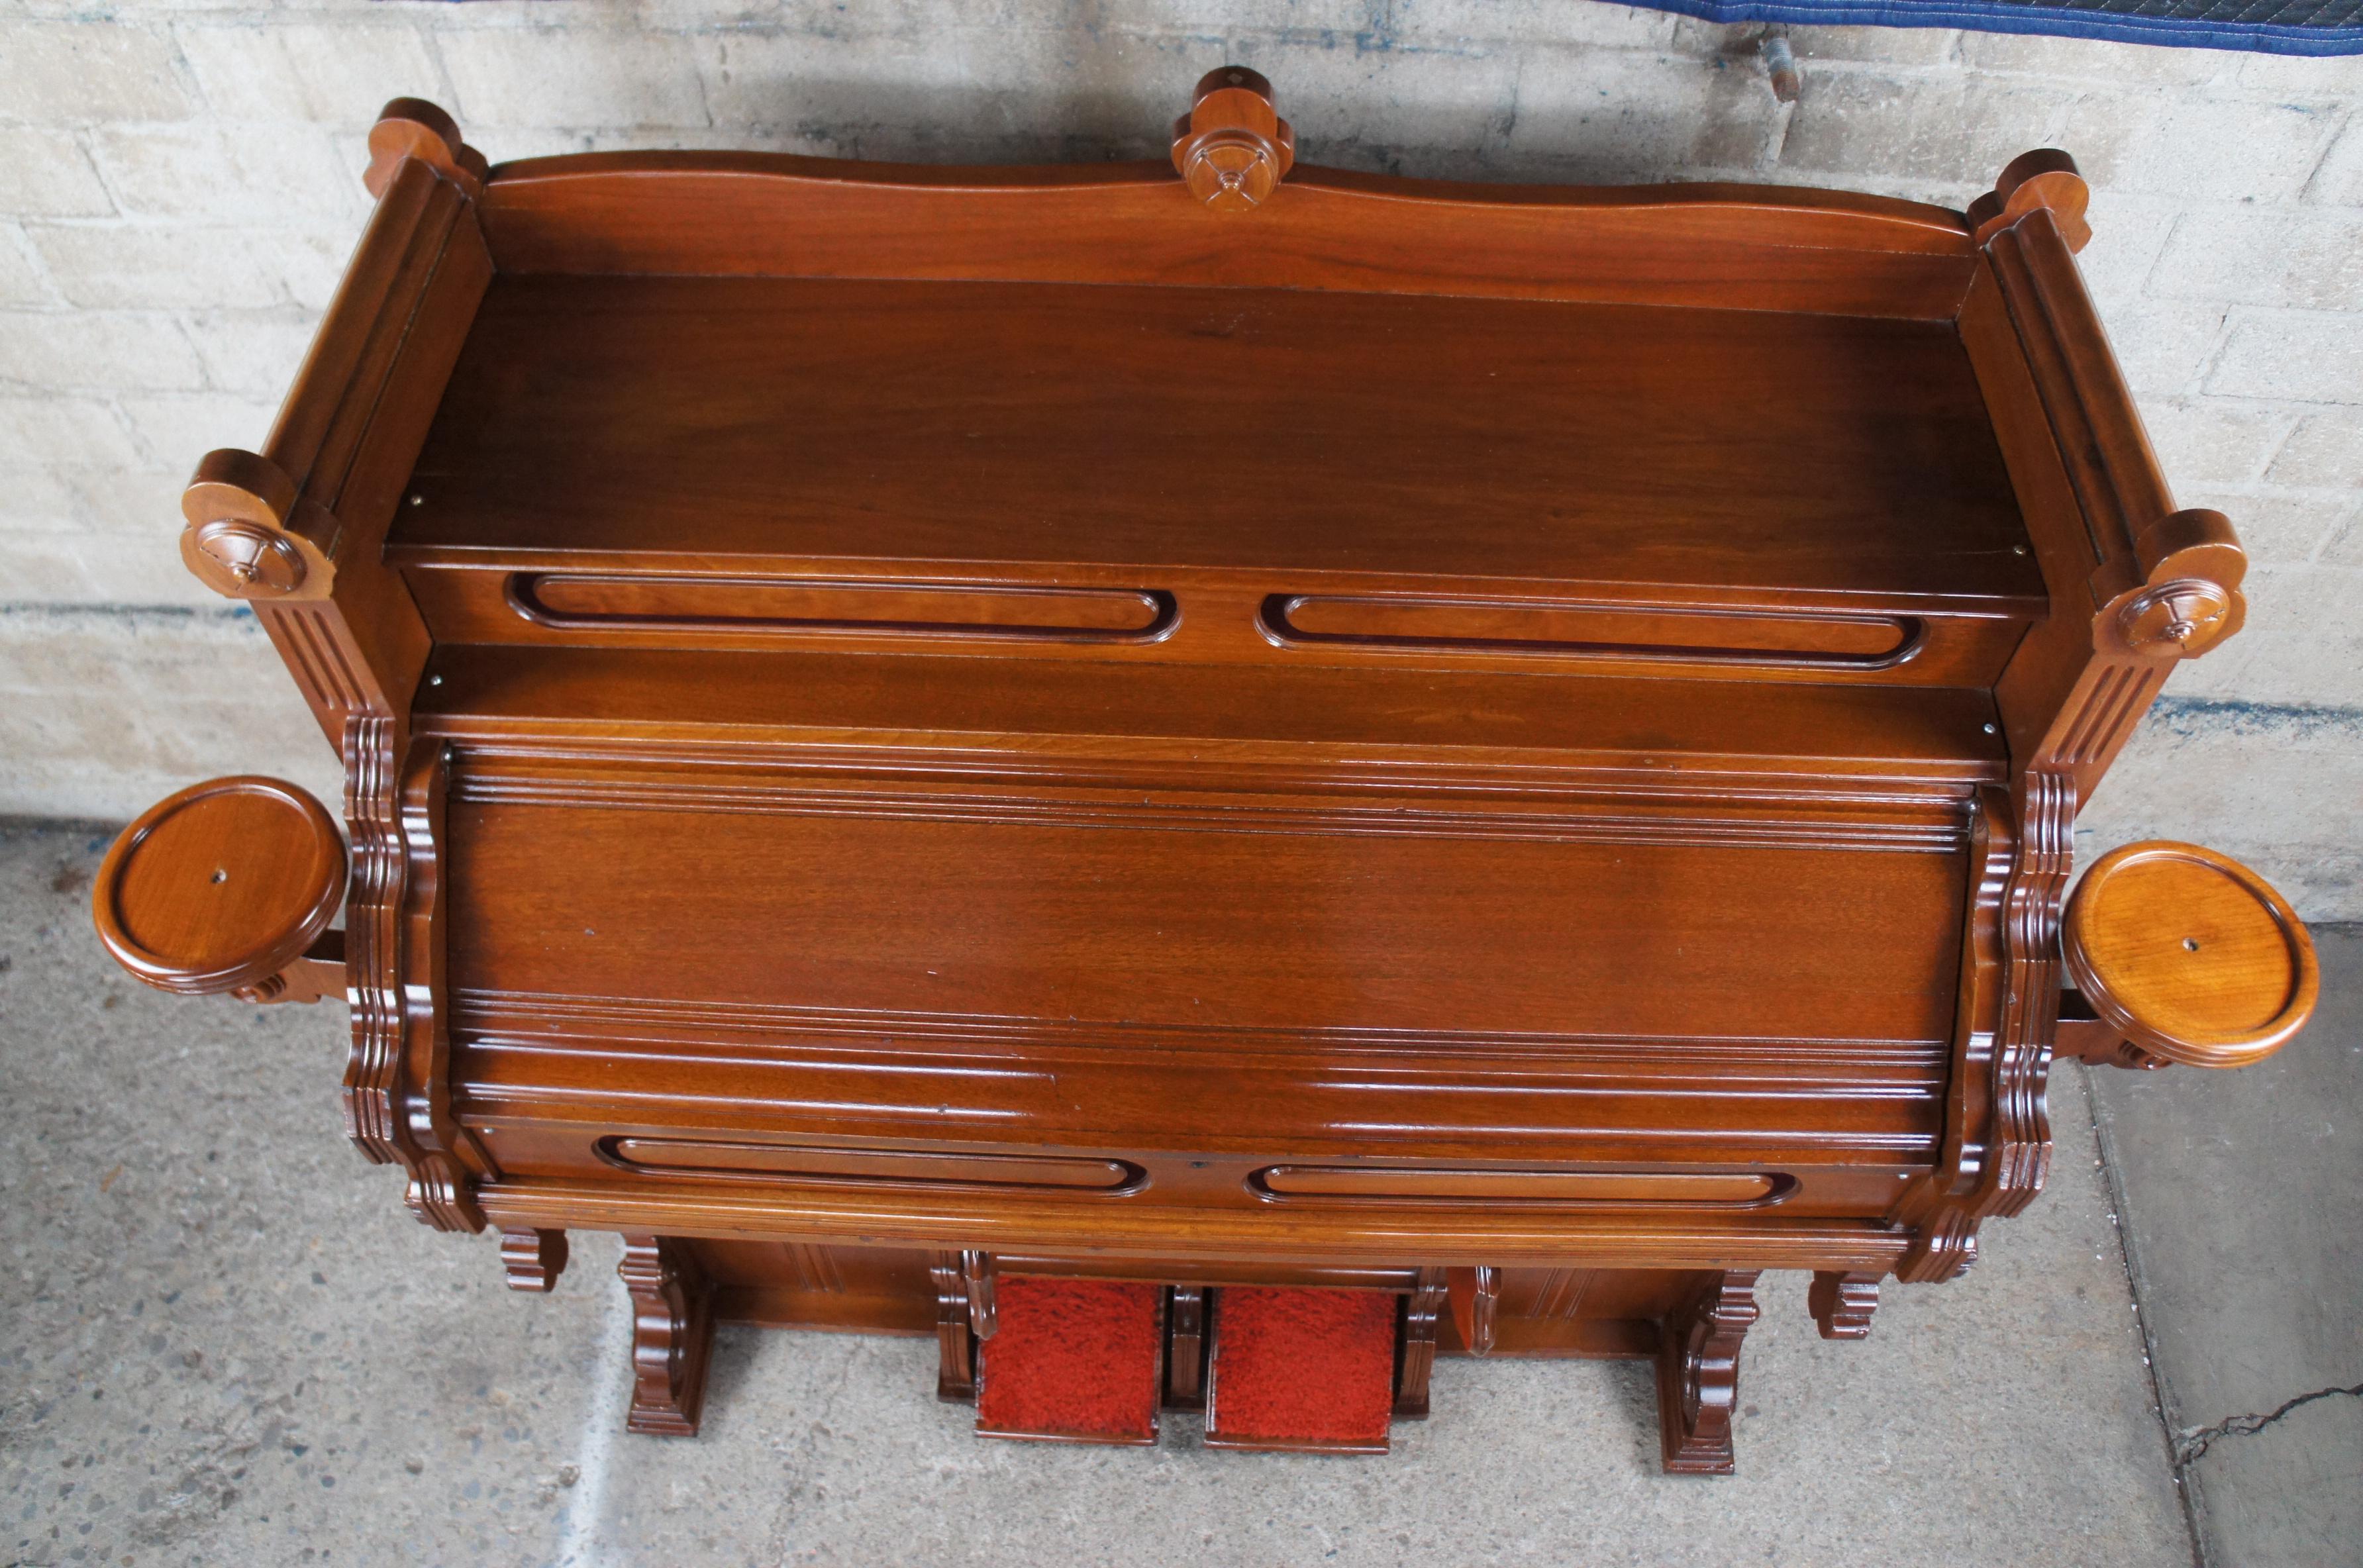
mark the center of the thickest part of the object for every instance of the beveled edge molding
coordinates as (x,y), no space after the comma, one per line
(1911,632)
(1058,1225)
(1160,615)
(795,791)
(1348,1185)
(962,1172)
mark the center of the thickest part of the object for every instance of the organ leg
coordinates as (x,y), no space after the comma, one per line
(1697,1373)
(673,1331)
(1418,1358)
(1185,1356)
(533,1259)
(1842,1303)
(955,1346)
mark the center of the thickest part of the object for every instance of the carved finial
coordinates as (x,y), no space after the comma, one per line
(2189,599)
(1231,148)
(250,535)
(2044,178)
(413,127)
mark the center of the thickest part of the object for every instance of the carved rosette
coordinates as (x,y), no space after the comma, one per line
(250,535)
(1232,149)
(2189,597)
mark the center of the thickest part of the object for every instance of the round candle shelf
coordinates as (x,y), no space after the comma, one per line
(221,886)
(2190,954)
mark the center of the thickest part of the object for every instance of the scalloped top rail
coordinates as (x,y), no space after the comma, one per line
(767,214)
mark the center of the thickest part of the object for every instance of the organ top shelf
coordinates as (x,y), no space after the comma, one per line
(1017,428)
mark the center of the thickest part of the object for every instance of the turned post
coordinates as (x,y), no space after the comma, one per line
(2046,178)
(1232,149)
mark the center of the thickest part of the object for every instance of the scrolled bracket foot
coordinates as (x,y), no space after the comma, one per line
(533,1259)
(1842,1303)
(1698,1373)
(672,1335)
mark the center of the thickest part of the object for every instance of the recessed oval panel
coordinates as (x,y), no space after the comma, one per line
(1373,1184)
(1594,631)
(720,1160)
(620,602)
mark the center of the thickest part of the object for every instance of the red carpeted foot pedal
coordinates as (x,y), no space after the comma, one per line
(1312,1370)
(1072,1361)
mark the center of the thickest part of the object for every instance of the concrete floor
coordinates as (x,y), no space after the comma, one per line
(224,1341)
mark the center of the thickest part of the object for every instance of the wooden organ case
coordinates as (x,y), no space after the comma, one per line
(1214,725)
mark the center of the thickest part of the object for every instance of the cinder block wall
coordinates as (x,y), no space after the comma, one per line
(180,183)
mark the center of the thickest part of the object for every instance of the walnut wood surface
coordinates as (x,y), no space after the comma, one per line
(1215,723)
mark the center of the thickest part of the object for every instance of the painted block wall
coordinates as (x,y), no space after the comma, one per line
(179,185)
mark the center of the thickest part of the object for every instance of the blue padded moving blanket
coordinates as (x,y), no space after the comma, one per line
(2268,26)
